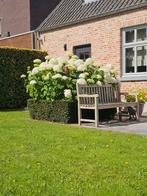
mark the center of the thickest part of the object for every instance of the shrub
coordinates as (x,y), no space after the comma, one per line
(13,63)
(56,78)
(57,111)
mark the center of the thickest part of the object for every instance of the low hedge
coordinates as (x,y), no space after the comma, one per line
(14,63)
(57,111)
(63,111)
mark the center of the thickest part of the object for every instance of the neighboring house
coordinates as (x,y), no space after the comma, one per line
(110,31)
(19,19)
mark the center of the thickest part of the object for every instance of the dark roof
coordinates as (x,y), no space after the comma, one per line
(70,12)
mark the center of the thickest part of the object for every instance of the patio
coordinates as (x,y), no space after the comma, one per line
(127,126)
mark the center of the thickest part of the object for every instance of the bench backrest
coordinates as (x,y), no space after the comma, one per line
(107,93)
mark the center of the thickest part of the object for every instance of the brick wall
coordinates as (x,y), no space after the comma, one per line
(15,16)
(104,36)
(20,41)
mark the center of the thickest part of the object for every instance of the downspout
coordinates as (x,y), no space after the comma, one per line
(38,40)
(33,40)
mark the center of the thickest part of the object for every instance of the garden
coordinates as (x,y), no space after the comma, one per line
(42,155)
(41,158)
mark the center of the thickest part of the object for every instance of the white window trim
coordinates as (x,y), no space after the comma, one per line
(134,44)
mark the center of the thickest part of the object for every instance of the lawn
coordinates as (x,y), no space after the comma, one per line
(41,159)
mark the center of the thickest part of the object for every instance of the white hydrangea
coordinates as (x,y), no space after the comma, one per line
(62,61)
(109,66)
(89,61)
(82,68)
(32,82)
(79,62)
(47,58)
(83,75)
(23,76)
(56,76)
(54,61)
(49,66)
(99,77)
(37,61)
(43,66)
(71,67)
(75,57)
(64,77)
(46,77)
(114,80)
(35,71)
(57,68)
(67,93)
(81,81)
(99,83)
(71,62)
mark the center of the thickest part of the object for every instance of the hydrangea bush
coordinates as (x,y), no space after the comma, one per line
(56,78)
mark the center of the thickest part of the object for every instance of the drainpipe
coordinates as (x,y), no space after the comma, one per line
(33,40)
(38,40)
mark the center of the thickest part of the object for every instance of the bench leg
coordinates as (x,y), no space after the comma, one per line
(96,117)
(79,114)
(119,114)
(137,112)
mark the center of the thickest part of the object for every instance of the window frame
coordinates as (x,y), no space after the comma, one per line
(0,27)
(134,45)
(82,47)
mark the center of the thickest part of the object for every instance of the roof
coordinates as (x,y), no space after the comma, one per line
(70,12)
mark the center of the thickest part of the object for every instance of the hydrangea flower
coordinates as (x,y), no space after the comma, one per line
(81,81)
(79,62)
(46,77)
(23,76)
(54,61)
(47,58)
(99,83)
(35,71)
(57,76)
(81,68)
(99,77)
(84,75)
(89,61)
(64,77)
(67,93)
(32,82)
(43,66)
(57,68)
(37,61)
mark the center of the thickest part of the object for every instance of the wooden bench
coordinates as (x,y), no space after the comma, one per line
(94,97)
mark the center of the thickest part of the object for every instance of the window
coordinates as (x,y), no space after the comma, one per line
(83,51)
(0,27)
(135,51)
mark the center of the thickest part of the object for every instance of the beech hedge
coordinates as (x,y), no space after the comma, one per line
(14,63)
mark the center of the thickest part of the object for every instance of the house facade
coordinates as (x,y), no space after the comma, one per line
(19,19)
(112,32)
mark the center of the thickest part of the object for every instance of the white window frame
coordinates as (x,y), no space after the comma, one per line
(0,27)
(134,44)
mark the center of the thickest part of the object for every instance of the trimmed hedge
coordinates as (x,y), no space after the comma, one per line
(63,111)
(14,63)
(57,111)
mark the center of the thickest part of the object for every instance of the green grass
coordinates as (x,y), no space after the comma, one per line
(41,159)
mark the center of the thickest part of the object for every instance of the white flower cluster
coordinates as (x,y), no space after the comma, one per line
(65,72)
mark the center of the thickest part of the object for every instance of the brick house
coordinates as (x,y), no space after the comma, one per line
(19,19)
(110,31)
